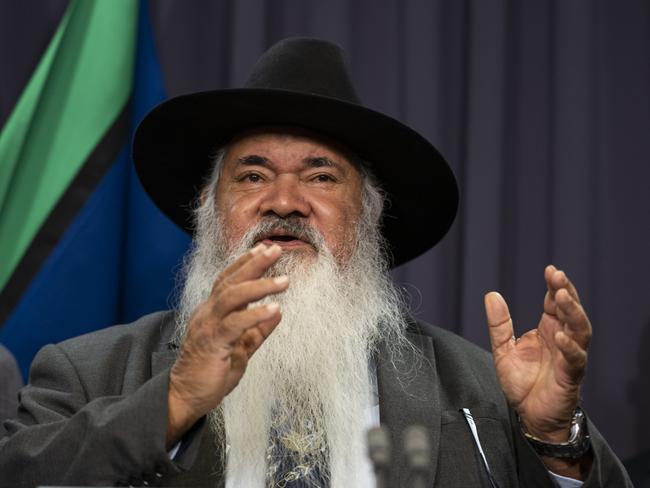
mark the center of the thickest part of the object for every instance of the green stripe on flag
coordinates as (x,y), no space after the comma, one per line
(75,94)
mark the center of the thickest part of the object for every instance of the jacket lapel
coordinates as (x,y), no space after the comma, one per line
(164,357)
(409,395)
(161,360)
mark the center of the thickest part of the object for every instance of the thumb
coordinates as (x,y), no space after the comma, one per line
(499,321)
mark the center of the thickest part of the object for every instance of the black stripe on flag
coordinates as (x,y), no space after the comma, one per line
(64,212)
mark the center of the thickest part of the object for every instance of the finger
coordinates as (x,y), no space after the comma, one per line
(573,315)
(550,307)
(548,326)
(549,299)
(557,279)
(548,274)
(236,265)
(236,297)
(257,266)
(233,327)
(256,262)
(562,281)
(239,358)
(499,322)
(252,339)
(255,337)
(266,327)
(573,359)
(251,317)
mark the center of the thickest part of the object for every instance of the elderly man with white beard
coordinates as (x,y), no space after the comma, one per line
(311,219)
(290,340)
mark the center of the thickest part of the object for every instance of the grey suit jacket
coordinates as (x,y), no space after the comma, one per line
(10,383)
(95,413)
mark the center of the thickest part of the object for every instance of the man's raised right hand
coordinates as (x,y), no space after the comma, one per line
(222,335)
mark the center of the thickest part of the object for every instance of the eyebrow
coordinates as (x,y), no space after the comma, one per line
(320,162)
(309,162)
(253,160)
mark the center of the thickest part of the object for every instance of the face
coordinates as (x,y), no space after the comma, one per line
(290,174)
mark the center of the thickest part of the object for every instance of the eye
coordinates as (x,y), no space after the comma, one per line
(250,178)
(323,178)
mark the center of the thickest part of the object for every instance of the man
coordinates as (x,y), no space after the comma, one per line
(290,340)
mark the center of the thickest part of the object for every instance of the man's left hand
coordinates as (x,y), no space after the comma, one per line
(541,371)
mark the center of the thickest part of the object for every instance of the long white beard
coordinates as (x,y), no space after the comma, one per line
(315,366)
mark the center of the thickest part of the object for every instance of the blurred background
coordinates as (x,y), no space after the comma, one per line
(541,107)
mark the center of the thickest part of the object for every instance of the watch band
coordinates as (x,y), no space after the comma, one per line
(577,446)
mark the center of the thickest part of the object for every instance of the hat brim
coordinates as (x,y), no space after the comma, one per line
(172,145)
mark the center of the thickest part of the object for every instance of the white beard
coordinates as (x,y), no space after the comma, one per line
(315,366)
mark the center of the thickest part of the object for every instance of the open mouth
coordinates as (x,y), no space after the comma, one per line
(283,239)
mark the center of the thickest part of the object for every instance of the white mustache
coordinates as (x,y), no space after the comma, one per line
(293,226)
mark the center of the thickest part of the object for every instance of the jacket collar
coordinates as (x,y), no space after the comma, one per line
(164,357)
(409,395)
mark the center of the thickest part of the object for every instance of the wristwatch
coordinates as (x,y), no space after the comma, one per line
(577,446)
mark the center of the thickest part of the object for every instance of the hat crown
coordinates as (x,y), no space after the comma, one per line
(307,66)
(304,83)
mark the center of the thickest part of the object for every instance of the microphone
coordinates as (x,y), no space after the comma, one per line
(417,448)
(379,454)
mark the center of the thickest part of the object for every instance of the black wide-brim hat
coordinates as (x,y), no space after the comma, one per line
(305,83)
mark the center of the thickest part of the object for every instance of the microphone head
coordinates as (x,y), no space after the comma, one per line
(379,447)
(417,447)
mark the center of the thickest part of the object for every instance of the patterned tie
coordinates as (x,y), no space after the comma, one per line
(293,457)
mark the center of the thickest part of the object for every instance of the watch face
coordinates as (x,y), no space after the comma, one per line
(576,427)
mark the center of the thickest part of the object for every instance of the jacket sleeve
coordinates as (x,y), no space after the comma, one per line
(10,383)
(606,469)
(61,437)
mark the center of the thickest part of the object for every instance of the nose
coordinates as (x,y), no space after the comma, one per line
(285,197)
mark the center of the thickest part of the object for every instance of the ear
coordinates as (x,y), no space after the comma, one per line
(203,196)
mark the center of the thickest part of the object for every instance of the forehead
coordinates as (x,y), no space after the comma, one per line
(287,144)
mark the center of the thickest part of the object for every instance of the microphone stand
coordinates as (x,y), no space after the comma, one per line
(417,448)
(380,455)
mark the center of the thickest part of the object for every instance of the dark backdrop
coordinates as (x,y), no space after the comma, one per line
(542,109)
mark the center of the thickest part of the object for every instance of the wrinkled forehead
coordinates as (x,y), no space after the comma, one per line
(268,137)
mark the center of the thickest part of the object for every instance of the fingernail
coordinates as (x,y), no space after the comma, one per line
(258,249)
(274,249)
(272,307)
(281,280)
(490,307)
